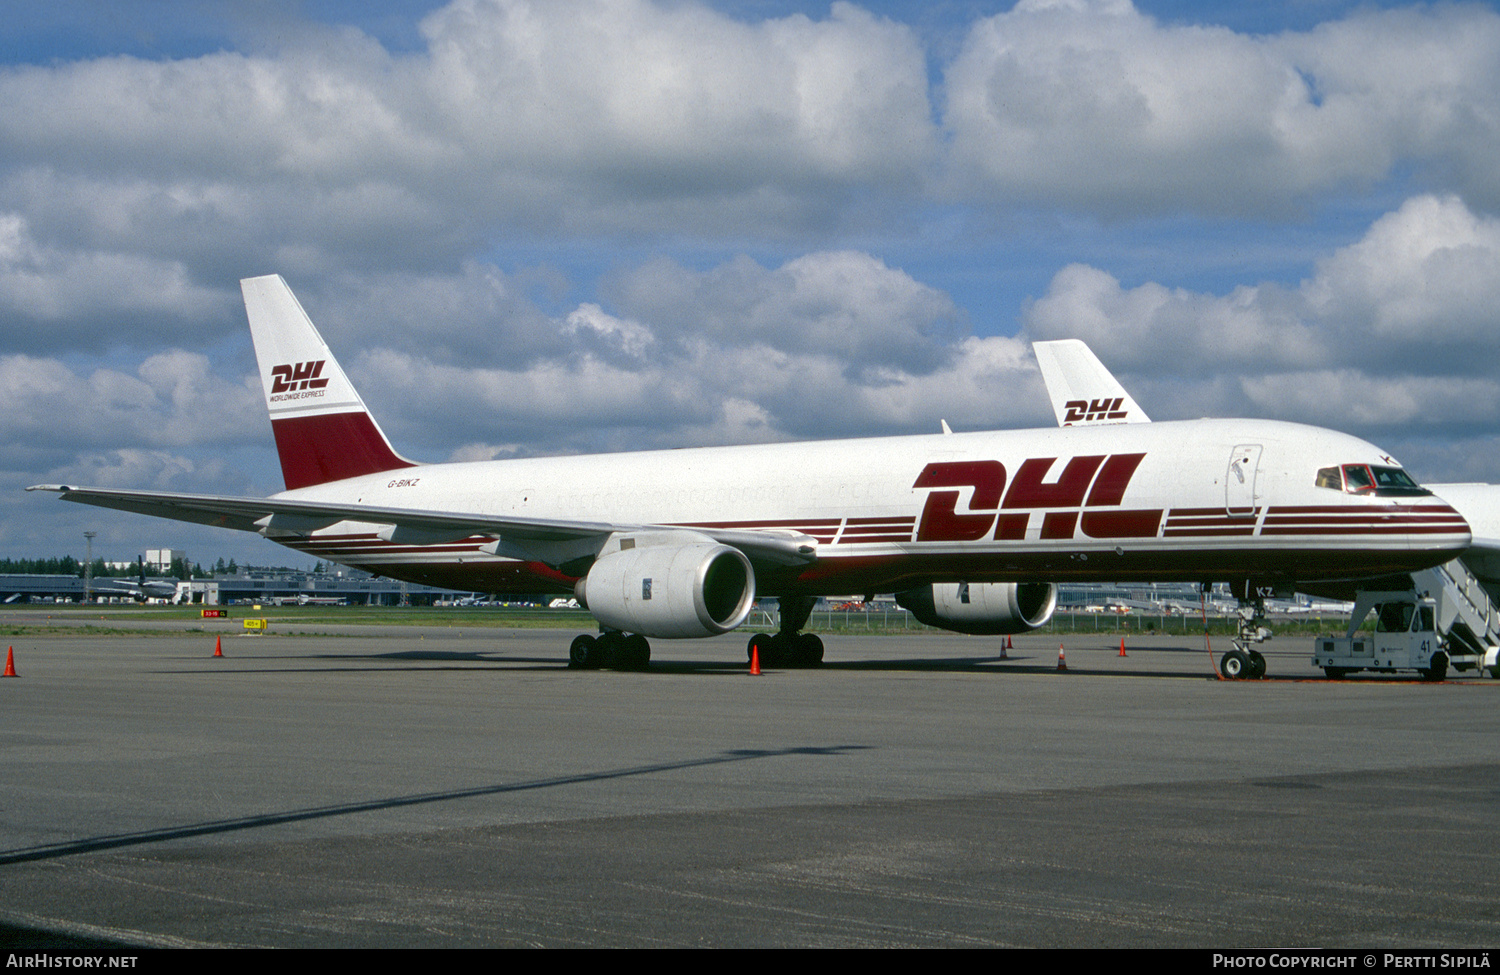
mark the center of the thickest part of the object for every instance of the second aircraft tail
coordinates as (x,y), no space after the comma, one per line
(1083,391)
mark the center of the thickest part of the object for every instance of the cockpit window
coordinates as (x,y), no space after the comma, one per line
(1357,479)
(1370,479)
(1395,477)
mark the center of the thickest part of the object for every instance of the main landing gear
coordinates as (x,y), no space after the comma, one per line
(609,649)
(787,647)
(1243,663)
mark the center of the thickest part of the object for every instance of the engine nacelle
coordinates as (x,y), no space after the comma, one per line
(690,589)
(982,608)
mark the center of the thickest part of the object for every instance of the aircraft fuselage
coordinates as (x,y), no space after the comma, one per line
(1202,500)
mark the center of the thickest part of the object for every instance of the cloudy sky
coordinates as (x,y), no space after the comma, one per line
(577,225)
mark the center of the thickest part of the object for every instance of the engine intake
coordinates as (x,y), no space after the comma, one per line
(675,590)
(982,608)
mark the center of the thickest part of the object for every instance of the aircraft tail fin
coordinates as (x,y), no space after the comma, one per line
(1083,391)
(323,430)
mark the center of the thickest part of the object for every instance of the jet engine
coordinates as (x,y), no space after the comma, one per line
(982,608)
(675,590)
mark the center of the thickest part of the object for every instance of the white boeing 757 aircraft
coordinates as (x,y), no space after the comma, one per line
(970,530)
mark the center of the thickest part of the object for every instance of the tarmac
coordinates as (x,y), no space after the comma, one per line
(415,787)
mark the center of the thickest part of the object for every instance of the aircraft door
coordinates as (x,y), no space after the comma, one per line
(1239,479)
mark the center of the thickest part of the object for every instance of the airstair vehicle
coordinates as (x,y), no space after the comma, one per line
(1446,619)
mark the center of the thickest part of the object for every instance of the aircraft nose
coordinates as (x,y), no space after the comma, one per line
(1438,527)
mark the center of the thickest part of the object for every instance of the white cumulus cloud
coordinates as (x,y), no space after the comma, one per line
(1399,328)
(1096,106)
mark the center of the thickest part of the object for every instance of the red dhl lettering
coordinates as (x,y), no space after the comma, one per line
(1082,410)
(291,377)
(1089,482)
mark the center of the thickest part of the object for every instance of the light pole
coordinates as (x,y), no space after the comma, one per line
(88,570)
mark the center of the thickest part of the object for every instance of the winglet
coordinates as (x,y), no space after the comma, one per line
(1083,392)
(323,431)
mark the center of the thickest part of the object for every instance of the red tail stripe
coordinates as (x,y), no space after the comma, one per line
(331,447)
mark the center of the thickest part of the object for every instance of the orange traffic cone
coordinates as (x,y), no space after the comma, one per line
(218,646)
(10,663)
(1122,646)
(1062,658)
(1004,647)
(755,660)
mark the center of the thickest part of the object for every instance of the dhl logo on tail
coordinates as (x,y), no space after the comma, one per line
(1089,411)
(291,378)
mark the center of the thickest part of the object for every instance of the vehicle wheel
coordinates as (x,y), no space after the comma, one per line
(1438,669)
(1257,665)
(635,653)
(809,650)
(581,655)
(1234,665)
(1336,673)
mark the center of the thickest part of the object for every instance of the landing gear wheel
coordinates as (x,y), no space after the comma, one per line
(583,655)
(786,649)
(634,653)
(607,648)
(808,650)
(1437,669)
(1234,665)
(1257,665)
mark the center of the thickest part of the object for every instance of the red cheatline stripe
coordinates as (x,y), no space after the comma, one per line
(1175,522)
(1394,509)
(1366,530)
(1364,520)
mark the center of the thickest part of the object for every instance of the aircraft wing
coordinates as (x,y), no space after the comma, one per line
(529,539)
(1083,391)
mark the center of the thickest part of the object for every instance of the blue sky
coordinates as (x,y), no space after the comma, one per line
(582,225)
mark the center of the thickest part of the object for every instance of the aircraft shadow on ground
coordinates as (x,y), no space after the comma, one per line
(1186,663)
(726,666)
(117,841)
(447,661)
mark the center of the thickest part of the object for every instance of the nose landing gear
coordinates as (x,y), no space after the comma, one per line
(1243,663)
